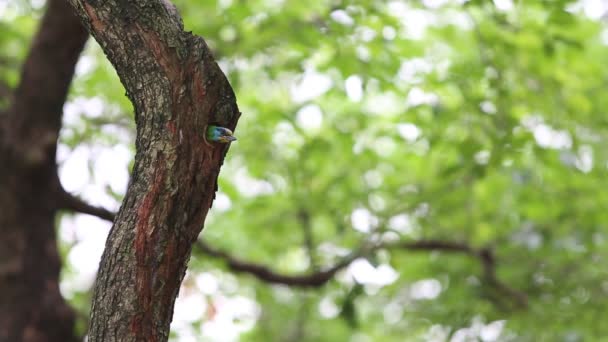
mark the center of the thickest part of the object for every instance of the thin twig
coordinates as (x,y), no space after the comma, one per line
(304,218)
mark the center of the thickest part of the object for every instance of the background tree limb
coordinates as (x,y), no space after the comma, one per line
(484,255)
(31,306)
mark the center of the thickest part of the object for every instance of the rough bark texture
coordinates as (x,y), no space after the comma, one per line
(177,89)
(31,307)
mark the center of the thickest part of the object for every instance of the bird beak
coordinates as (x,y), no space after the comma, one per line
(230,138)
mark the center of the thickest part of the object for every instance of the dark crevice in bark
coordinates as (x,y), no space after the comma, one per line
(31,306)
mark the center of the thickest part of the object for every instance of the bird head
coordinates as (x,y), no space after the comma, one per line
(219,134)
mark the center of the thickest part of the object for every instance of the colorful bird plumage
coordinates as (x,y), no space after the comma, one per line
(219,134)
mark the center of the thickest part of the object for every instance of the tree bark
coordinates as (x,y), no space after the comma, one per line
(31,306)
(176,89)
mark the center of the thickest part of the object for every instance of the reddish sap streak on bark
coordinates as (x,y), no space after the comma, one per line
(171,127)
(142,324)
(166,271)
(97,24)
(199,87)
(166,58)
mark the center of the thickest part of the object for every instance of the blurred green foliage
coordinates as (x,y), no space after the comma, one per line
(459,121)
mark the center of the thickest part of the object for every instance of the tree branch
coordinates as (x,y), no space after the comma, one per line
(264,273)
(304,219)
(317,279)
(488,260)
(71,202)
(320,278)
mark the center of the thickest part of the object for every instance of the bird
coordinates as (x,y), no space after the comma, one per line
(219,134)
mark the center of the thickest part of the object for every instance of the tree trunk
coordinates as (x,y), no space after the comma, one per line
(177,89)
(31,307)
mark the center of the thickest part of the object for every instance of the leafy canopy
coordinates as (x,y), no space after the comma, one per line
(364,122)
